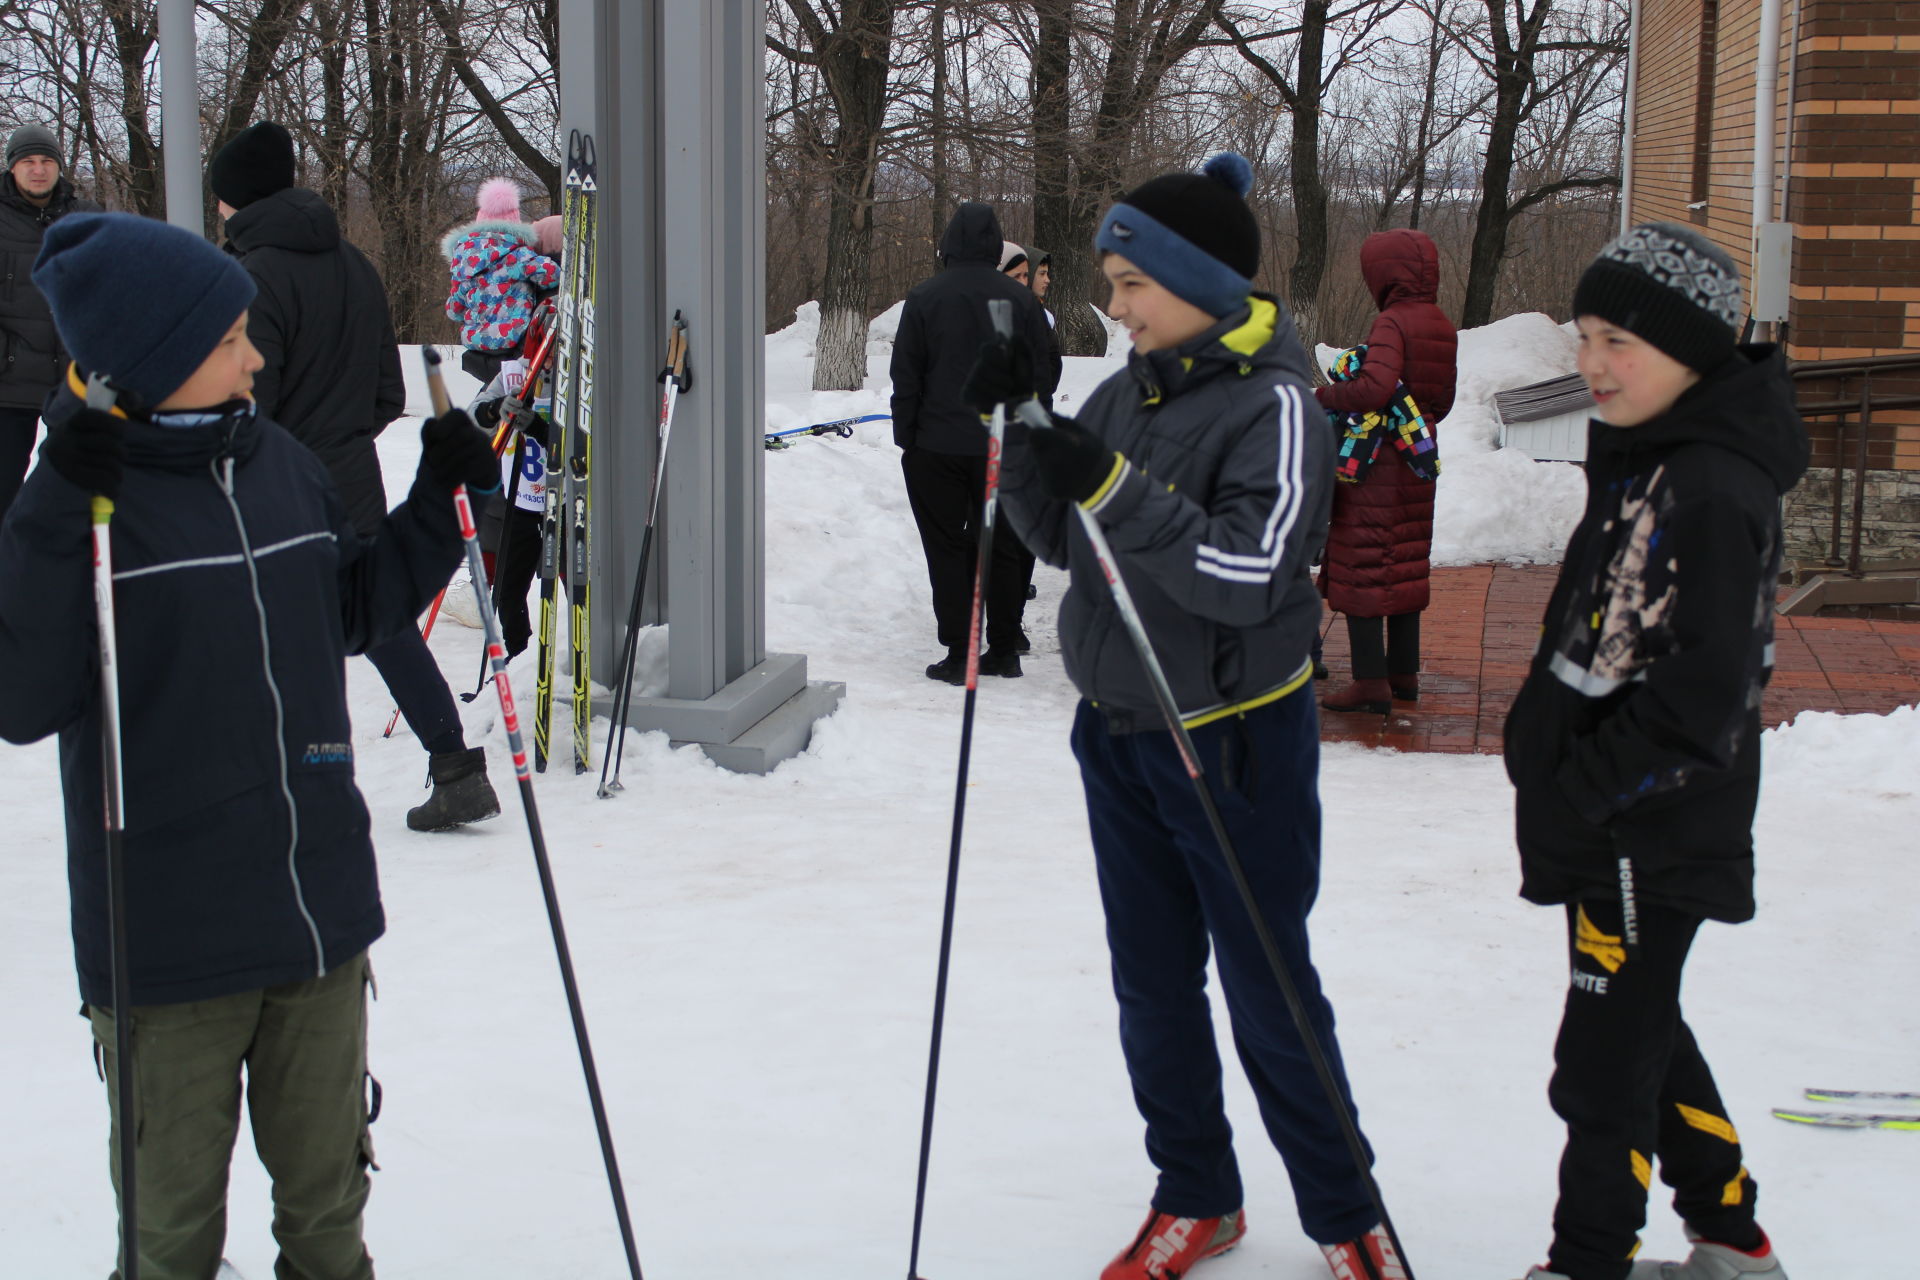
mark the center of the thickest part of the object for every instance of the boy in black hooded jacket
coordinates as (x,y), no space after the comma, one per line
(1634,745)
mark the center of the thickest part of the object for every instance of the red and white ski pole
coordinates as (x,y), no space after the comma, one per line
(497,661)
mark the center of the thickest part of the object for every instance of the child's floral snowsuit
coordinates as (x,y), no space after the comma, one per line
(498,276)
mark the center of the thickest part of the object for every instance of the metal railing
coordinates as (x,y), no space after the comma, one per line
(1865,368)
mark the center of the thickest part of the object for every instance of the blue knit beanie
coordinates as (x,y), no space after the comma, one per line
(1191,233)
(139,301)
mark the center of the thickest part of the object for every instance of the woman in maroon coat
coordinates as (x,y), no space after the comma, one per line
(1382,527)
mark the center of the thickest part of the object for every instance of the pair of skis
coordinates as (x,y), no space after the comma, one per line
(567,521)
(1866,1109)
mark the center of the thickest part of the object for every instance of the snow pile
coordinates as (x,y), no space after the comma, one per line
(1868,756)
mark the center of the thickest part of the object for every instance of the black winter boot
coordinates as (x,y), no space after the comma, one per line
(951,669)
(1003,661)
(461,792)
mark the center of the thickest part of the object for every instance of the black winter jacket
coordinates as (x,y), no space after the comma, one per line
(240,588)
(942,328)
(1637,732)
(31,358)
(322,324)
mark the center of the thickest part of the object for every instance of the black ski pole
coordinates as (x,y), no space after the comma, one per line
(1002,312)
(674,379)
(497,658)
(100,396)
(1035,417)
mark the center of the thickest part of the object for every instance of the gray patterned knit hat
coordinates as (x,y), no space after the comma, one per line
(1670,286)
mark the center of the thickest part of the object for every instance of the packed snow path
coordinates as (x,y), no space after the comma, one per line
(757,959)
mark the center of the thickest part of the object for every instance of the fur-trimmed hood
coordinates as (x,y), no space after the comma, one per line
(514,232)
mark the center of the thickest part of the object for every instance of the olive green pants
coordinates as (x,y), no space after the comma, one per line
(303,1051)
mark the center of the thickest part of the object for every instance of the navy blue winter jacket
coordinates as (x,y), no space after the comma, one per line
(240,588)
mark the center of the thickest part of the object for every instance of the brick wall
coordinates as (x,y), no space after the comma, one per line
(1851,174)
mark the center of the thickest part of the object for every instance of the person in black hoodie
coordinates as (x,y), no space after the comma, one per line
(1634,744)
(332,378)
(944,452)
(240,586)
(34,194)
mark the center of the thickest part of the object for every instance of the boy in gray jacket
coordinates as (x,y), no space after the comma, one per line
(1209,468)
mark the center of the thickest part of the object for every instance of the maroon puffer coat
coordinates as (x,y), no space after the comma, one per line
(1382,528)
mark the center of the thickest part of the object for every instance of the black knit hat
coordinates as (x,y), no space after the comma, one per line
(31,140)
(1669,286)
(257,163)
(1173,226)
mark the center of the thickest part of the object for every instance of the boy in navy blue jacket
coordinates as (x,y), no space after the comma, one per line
(240,588)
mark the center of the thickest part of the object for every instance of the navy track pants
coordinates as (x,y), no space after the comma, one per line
(1168,896)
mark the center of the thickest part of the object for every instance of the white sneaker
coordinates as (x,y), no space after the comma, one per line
(1709,1261)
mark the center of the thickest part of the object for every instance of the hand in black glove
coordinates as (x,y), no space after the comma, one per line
(1072,461)
(88,450)
(1002,374)
(456,452)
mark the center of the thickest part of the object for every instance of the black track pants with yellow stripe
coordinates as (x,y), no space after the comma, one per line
(1636,1094)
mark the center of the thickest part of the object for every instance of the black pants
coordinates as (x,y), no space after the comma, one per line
(1633,1088)
(414,680)
(515,564)
(18,427)
(1375,658)
(945,492)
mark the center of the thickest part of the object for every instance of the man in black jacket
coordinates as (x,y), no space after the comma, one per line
(332,378)
(942,328)
(33,195)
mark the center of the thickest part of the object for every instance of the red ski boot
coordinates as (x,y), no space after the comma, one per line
(1371,1257)
(1167,1247)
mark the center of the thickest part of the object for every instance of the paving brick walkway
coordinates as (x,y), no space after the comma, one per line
(1479,633)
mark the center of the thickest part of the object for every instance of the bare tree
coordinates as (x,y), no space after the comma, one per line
(849,43)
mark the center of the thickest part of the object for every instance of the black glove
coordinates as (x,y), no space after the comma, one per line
(1072,461)
(88,450)
(456,452)
(1002,374)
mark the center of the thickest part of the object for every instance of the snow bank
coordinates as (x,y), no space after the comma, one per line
(1867,756)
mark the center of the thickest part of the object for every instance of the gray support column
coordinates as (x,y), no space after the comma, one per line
(680,121)
(180,117)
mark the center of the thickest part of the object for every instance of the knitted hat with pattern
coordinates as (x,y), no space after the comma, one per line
(1672,288)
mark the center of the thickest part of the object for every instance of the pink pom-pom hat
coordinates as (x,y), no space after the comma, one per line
(500,200)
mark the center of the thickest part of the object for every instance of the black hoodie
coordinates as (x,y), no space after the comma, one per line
(322,324)
(942,328)
(1637,732)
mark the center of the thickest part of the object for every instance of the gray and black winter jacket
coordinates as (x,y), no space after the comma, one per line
(1214,517)
(31,359)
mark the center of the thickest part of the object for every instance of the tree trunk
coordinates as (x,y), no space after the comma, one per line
(135,29)
(855,61)
(1057,227)
(1513,69)
(1309,191)
(942,204)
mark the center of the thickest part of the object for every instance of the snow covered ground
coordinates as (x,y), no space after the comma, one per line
(757,957)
